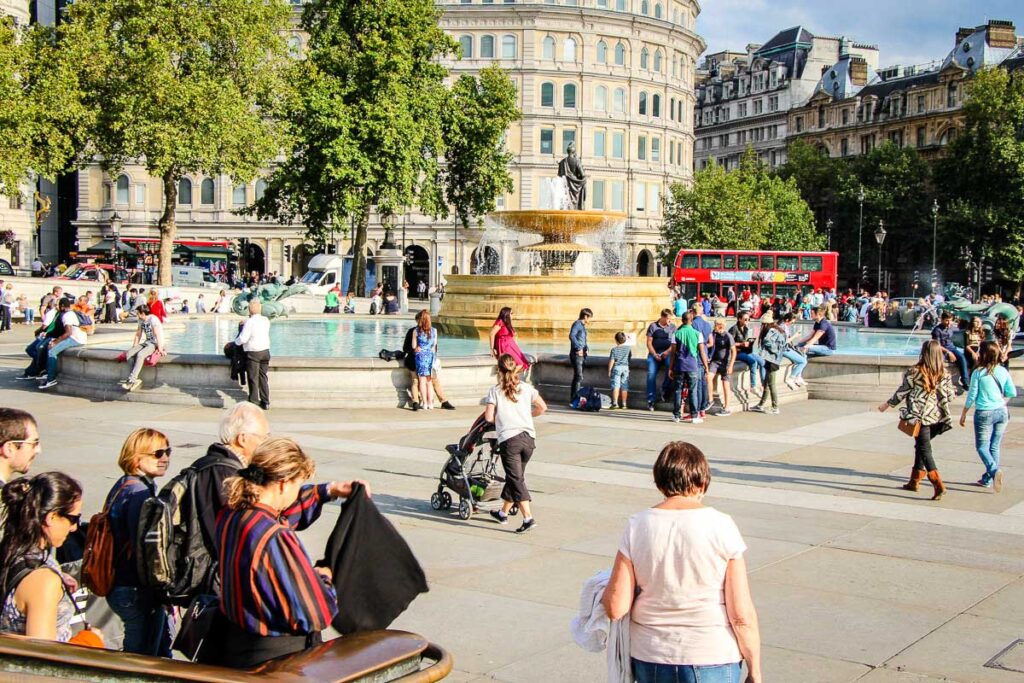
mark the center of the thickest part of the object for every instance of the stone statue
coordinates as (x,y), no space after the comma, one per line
(272,297)
(962,308)
(571,169)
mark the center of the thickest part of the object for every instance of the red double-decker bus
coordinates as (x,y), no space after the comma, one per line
(768,273)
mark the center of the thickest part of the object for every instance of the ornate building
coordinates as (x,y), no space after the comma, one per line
(743,99)
(615,76)
(854,110)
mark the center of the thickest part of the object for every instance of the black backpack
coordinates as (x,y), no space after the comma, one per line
(172,556)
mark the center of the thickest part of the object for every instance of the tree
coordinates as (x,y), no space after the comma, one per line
(181,86)
(367,120)
(476,162)
(742,209)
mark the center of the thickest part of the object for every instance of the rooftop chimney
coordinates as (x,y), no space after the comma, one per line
(963,32)
(1001,33)
(859,71)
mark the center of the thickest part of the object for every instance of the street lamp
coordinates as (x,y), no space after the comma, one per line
(115,229)
(860,230)
(880,238)
(828,230)
(935,229)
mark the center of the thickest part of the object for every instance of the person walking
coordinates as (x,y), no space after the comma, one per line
(681,578)
(145,455)
(926,392)
(200,305)
(988,392)
(503,339)
(424,347)
(659,342)
(149,339)
(578,350)
(254,338)
(744,339)
(689,366)
(773,346)
(511,405)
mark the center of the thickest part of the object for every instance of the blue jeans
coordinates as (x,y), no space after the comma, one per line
(753,361)
(652,377)
(798,360)
(819,350)
(989,426)
(144,619)
(51,359)
(37,352)
(961,362)
(646,672)
(695,381)
(577,374)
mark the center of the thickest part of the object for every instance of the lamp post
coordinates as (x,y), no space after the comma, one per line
(828,230)
(880,238)
(115,229)
(860,230)
(935,232)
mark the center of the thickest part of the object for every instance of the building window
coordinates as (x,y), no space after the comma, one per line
(645,7)
(620,54)
(619,101)
(643,103)
(844,147)
(601,98)
(547,94)
(487,47)
(597,188)
(644,55)
(206,191)
(758,106)
(657,59)
(773,103)
(920,104)
(641,148)
(618,140)
(846,116)
(185,192)
(466,43)
(921,133)
(799,124)
(655,149)
(238,195)
(640,196)
(569,50)
(568,135)
(951,96)
(122,189)
(657,10)
(294,47)
(547,141)
(599,136)
(261,188)
(508,47)
(549,48)
(656,105)
(140,194)
(602,52)
(821,117)
(618,199)
(569,95)
(653,198)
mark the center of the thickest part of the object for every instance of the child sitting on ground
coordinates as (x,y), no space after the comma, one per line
(618,371)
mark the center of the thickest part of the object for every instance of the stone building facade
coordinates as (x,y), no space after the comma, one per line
(615,76)
(744,98)
(918,107)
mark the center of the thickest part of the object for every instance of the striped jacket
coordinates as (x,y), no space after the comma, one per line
(927,407)
(268,585)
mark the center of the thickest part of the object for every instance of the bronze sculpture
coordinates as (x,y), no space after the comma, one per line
(571,169)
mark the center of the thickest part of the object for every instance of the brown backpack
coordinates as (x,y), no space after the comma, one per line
(98,556)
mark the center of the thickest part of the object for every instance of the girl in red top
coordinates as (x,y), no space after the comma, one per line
(156,307)
(503,339)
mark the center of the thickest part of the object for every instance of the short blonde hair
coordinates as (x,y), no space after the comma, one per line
(139,443)
(255,306)
(719,322)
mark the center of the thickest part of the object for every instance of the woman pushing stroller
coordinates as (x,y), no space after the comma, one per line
(511,406)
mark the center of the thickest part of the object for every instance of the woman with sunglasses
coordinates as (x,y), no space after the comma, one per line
(41,512)
(144,457)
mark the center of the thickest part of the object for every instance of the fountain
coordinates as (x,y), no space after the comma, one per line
(546,304)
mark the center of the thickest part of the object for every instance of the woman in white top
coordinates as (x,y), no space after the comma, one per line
(511,406)
(693,618)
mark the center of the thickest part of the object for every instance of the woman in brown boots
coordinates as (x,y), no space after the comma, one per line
(927,391)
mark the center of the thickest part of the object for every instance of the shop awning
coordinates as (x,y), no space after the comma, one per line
(106,246)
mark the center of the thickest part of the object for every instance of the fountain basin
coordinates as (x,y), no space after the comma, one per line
(557,225)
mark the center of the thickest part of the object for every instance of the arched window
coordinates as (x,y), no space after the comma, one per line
(185,192)
(549,48)
(261,188)
(620,54)
(466,43)
(122,190)
(601,98)
(657,61)
(487,47)
(672,109)
(547,94)
(569,95)
(643,103)
(602,52)
(644,58)
(508,47)
(238,195)
(295,47)
(656,105)
(569,50)
(619,101)
(206,191)
(657,10)
(645,7)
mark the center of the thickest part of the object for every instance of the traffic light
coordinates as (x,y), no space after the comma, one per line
(864,273)
(332,248)
(287,252)
(988,272)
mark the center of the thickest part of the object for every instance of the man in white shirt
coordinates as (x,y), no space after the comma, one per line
(37,267)
(73,336)
(255,339)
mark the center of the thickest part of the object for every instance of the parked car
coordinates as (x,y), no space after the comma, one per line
(101,273)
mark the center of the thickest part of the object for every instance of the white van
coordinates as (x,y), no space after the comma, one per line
(324,274)
(194,276)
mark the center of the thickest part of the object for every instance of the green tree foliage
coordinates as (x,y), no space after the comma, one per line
(747,208)
(181,86)
(476,161)
(367,120)
(981,178)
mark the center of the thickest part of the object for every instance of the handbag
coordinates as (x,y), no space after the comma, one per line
(910,427)
(196,625)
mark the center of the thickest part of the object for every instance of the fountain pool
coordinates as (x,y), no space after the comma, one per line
(362,338)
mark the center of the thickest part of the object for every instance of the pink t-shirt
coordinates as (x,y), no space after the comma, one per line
(679,559)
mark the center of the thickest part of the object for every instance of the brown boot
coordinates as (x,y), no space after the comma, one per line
(915,477)
(936,480)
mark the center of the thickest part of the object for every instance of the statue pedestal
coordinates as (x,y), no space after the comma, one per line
(389,263)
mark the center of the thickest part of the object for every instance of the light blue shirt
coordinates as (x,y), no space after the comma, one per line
(988,392)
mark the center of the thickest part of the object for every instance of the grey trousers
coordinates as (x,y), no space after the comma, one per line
(140,352)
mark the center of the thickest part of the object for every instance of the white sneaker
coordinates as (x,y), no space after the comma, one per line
(791,383)
(800,382)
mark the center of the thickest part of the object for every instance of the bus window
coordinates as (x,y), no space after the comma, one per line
(787,262)
(689,290)
(767,263)
(709,289)
(765,291)
(748,262)
(689,262)
(811,264)
(711,261)
(729,262)
(788,291)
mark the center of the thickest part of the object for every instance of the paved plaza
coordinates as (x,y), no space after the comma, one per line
(853,578)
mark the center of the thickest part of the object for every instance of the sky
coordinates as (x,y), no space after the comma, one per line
(905,31)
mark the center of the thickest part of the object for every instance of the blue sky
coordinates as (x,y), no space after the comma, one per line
(906,31)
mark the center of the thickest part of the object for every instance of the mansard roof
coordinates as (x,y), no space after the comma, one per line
(788,47)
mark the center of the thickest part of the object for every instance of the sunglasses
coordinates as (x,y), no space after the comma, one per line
(74,519)
(161,453)
(30,442)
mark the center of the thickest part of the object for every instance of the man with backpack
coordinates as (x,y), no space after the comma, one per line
(73,336)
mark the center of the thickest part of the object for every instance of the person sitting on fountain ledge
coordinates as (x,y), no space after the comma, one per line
(571,169)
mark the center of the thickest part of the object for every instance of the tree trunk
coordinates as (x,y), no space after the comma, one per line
(357,279)
(168,229)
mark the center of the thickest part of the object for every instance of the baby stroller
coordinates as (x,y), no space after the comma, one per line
(471,471)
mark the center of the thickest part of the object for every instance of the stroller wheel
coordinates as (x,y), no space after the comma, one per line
(514,511)
(446,500)
(436,502)
(465,509)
